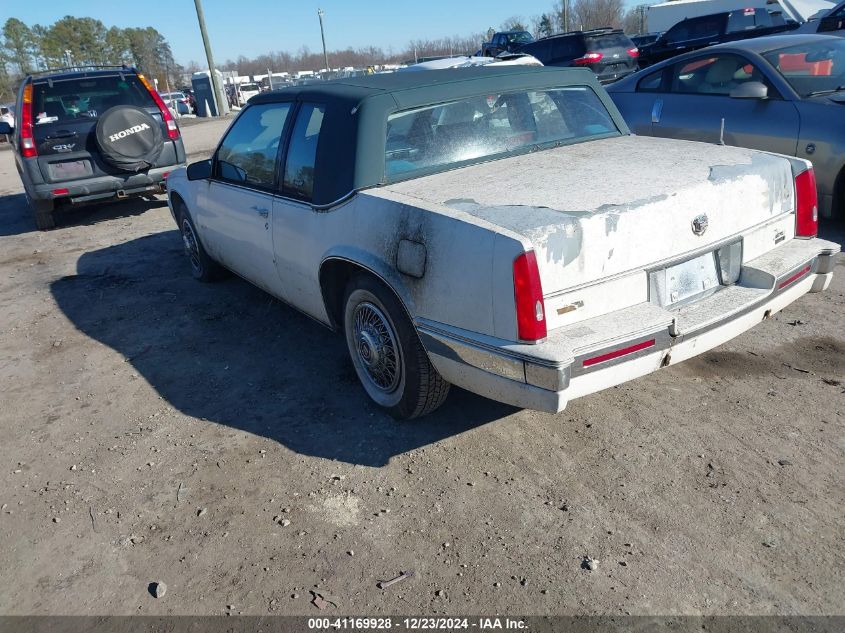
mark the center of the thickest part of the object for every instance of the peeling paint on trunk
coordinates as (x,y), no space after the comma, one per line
(583,229)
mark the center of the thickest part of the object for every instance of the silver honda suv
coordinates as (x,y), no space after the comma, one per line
(90,135)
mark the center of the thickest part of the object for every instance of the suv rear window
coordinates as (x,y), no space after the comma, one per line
(748,19)
(695,28)
(87,97)
(611,40)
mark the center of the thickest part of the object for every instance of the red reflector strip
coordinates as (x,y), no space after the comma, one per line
(595,360)
(60,192)
(795,277)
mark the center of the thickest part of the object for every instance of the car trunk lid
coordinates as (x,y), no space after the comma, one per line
(598,211)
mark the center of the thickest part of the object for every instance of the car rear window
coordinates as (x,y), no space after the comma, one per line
(611,40)
(442,136)
(698,28)
(748,19)
(87,98)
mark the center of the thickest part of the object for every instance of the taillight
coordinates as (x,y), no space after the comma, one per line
(28,149)
(172,128)
(588,58)
(806,204)
(528,292)
(634,52)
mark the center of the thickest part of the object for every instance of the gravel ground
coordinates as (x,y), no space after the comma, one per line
(155,429)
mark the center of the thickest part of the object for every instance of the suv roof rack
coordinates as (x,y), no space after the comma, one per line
(82,68)
(603,29)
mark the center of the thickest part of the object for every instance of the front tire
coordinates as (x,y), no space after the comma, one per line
(386,352)
(203,268)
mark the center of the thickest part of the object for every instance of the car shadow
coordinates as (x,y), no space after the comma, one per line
(16,218)
(231,354)
(833,230)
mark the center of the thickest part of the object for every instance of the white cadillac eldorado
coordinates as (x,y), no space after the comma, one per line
(498,229)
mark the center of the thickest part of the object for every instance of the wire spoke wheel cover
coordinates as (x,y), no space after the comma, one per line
(376,347)
(189,239)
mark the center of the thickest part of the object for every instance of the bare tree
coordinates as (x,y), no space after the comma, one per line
(563,15)
(514,23)
(592,14)
(634,21)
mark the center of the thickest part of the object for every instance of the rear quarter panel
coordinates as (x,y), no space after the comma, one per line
(823,127)
(467,271)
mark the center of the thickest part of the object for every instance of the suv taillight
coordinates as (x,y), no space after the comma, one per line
(172,128)
(28,149)
(634,52)
(806,204)
(528,293)
(588,58)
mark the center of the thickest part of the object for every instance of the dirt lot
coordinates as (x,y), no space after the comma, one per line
(158,429)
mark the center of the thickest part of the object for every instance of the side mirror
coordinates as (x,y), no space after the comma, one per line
(5,128)
(200,170)
(750,90)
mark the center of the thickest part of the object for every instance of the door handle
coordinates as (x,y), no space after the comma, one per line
(656,111)
(261,211)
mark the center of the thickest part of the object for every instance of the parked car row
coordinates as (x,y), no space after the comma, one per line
(609,53)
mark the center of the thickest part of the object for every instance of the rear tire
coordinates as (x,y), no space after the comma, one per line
(203,268)
(386,352)
(42,213)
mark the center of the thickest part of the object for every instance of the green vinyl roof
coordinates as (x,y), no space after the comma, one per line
(351,148)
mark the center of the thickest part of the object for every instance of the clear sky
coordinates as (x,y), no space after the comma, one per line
(252,27)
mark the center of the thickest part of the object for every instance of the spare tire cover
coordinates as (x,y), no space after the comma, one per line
(129,138)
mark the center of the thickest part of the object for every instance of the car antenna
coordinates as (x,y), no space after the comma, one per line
(722,132)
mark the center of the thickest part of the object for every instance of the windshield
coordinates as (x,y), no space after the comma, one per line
(65,100)
(813,67)
(249,88)
(523,37)
(478,128)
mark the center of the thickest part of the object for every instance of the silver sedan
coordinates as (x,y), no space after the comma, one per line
(783,94)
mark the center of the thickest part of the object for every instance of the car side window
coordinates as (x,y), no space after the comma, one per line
(302,152)
(651,83)
(249,153)
(715,75)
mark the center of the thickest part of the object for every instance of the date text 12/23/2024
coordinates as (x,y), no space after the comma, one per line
(417,624)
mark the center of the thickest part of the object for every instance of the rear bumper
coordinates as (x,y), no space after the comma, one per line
(605,351)
(105,187)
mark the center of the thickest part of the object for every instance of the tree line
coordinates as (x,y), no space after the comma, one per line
(73,41)
(565,15)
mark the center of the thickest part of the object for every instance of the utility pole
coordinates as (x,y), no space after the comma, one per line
(215,84)
(320,14)
(565,5)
